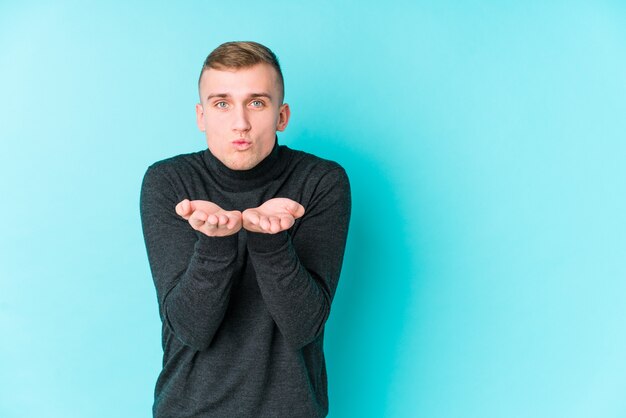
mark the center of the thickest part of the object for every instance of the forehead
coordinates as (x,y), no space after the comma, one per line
(240,81)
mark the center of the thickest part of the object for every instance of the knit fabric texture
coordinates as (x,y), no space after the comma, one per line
(243,316)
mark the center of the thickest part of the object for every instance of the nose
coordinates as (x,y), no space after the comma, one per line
(241,122)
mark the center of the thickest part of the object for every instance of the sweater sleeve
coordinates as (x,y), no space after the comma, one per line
(298,273)
(192,272)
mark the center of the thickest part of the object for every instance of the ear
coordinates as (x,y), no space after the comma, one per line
(283,117)
(200,117)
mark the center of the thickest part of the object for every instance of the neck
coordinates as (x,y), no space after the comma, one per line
(239,180)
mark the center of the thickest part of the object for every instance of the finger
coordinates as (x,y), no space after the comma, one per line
(183,208)
(286,222)
(274,224)
(197,219)
(298,210)
(212,220)
(234,218)
(223,220)
(264,223)
(252,217)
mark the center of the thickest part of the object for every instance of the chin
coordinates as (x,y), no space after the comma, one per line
(241,165)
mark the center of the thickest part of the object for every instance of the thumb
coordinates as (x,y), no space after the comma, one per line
(297,210)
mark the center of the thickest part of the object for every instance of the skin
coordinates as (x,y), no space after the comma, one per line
(273,216)
(241,105)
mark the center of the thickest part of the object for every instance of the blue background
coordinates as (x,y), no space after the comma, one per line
(484,274)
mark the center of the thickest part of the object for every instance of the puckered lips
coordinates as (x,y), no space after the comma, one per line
(241,144)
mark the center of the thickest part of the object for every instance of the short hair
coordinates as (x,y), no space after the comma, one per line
(242,54)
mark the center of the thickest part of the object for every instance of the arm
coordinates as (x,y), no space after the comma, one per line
(192,271)
(298,273)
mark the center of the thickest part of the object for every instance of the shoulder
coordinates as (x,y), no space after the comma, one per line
(312,167)
(174,167)
(176,163)
(323,183)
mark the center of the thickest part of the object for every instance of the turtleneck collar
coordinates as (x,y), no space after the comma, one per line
(239,180)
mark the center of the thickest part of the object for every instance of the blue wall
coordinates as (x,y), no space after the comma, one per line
(484,274)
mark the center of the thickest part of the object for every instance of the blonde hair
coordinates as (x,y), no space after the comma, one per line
(242,54)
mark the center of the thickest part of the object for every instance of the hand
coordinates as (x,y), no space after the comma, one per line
(208,218)
(273,216)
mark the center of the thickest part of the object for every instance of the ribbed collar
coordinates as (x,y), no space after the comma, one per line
(239,180)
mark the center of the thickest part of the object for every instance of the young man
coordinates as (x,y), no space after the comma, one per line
(245,241)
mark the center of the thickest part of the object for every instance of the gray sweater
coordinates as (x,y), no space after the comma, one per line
(243,316)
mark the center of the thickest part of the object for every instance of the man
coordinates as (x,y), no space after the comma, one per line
(245,241)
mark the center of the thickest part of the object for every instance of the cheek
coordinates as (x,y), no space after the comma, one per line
(266,122)
(216,123)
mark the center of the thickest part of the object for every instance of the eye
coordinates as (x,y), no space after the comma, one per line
(221,105)
(257,103)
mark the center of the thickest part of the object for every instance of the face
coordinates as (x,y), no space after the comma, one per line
(240,112)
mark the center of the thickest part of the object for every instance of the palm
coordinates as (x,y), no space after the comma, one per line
(273,216)
(209,218)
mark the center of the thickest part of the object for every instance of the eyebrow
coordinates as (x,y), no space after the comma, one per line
(250,96)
